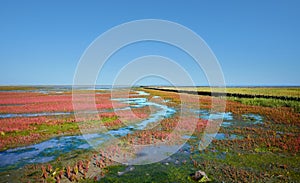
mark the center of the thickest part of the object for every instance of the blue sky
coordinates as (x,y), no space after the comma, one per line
(256,42)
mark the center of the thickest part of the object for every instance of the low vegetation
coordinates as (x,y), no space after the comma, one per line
(250,151)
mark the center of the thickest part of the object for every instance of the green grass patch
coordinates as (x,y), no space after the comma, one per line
(109,119)
(268,102)
(157,172)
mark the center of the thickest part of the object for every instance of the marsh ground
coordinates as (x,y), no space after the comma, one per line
(256,143)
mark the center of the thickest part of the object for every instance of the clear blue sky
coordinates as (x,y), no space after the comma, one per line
(256,42)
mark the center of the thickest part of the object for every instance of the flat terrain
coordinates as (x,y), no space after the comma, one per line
(258,140)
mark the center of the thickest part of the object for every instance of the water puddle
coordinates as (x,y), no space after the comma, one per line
(188,137)
(228,118)
(223,136)
(247,119)
(205,114)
